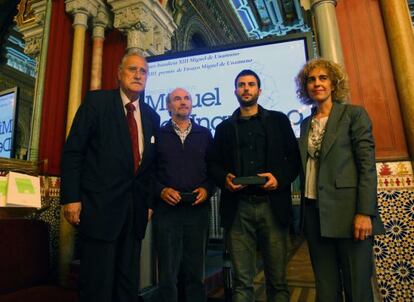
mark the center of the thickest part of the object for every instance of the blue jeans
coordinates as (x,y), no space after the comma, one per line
(255,225)
(181,238)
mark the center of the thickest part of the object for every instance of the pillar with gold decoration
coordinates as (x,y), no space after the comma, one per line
(400,36)
(81,10)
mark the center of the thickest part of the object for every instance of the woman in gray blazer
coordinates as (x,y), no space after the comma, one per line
(339,185)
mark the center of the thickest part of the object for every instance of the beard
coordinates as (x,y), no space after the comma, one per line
(249,103)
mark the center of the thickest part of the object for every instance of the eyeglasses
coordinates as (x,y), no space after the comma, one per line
(134,70)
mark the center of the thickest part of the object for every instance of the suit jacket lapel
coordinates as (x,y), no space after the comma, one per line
(273,136)
(331,126)
(122,124)
(146,130)
(303,141)
(234,137)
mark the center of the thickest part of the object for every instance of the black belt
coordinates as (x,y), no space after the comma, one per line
(254,198)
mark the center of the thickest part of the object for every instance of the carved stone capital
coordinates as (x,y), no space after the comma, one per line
(135,39)
(146,22)
(101,21)
(81,10)
(80,18)
(135,16)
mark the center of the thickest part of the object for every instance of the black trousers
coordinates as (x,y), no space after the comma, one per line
(181,238)
(109,271)
(339,264)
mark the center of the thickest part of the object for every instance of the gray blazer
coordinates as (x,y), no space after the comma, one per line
(347,178)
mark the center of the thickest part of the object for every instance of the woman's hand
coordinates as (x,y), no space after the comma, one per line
(362,227)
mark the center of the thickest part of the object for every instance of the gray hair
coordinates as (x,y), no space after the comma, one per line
(131,52)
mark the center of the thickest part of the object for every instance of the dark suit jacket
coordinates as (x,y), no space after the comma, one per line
(347,178)
(98,168)
(282,160)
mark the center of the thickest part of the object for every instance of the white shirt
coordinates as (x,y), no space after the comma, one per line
(312,164)
(137,116)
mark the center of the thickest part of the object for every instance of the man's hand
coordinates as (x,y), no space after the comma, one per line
(362,227)
(229,185)
(71,211)
(201,195)
(170,196)
(271,183)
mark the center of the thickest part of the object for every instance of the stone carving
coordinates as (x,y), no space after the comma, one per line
(88,7)
(101,21)
(136,17)
(30,22)
(145,22)
(33,45)
(25,12)
(103,17)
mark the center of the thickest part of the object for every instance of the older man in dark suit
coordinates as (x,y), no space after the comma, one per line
(107,166)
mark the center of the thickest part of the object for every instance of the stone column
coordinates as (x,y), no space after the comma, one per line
(327,30)
(400,38)
(81,10)
(100,23)
(33,21)
(80,24)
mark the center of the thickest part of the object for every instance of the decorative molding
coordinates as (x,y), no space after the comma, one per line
(101,21)
(134,17)
(195,26)
(224,17)
(30,22)
(395,175)
(393,251)
(272,17)
(214,21)
(33,45)
(80,18)
(86,7)
(179,9)
(25,12)
(316,3)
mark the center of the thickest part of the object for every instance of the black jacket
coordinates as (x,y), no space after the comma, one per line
(98,169)
(282,160)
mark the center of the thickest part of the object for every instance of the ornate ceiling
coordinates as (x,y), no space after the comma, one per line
(262,18)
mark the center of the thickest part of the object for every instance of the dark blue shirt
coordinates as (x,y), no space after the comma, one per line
(182,166)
